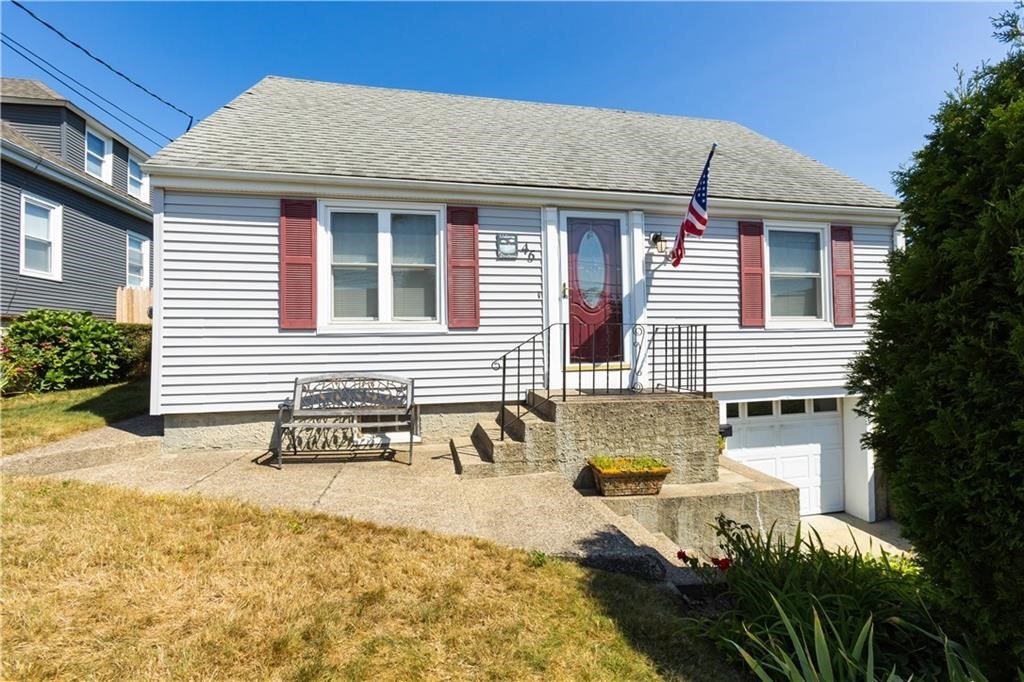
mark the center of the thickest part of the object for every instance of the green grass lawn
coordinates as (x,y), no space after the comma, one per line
(39,418)
(105,583)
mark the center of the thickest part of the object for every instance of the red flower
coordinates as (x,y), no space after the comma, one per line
(724,564)
(715,561)
(682,556)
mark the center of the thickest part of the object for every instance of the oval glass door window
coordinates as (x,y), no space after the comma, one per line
(590,269)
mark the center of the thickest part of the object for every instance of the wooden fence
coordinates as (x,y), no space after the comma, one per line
(133,304)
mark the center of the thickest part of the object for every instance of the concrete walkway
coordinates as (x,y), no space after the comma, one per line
(539,512)
(845,531)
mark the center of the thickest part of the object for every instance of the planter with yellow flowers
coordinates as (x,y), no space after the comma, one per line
(628,475)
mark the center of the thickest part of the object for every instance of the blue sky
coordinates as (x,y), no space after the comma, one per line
(851,85)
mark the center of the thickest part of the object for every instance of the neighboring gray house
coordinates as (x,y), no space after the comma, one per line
(76,217)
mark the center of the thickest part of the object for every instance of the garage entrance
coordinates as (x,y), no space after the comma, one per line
(799,441)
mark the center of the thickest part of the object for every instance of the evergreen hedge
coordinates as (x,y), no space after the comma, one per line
(943,373)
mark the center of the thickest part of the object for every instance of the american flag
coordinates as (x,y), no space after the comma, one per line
(696,220)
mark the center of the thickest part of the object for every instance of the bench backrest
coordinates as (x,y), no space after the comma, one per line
(352,393)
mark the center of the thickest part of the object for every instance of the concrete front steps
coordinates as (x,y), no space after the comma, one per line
(549,435)
(546,433)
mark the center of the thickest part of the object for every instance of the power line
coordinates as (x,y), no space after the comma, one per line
(81,94)
(80,83)
(97,59)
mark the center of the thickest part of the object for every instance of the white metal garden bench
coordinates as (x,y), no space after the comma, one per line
(329,412)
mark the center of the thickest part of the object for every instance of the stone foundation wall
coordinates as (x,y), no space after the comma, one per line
(253,430)
(219,431)
(438,423)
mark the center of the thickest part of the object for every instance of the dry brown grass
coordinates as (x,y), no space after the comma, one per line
(105,583)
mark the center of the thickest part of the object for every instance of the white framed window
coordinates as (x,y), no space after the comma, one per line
(98,152)
(138,182)
(41,237)
(138,261)
(380,265)
(797,274)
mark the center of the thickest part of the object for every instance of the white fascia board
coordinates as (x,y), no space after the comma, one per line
(324,186)
(26,159)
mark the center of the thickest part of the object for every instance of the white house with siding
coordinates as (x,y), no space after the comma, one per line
(309,227)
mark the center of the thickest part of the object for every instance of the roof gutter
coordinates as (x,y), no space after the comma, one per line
(318,185)
(46,168)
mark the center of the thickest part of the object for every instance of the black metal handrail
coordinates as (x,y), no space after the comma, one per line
(672,357)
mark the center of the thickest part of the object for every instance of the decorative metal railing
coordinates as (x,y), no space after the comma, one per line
(604,359)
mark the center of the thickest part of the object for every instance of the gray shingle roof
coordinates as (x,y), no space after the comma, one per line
(24,88)
(297,126)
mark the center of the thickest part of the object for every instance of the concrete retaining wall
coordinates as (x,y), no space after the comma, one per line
(686,513)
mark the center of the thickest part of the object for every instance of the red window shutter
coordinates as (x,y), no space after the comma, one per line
(463,268)
(844,303)
(297,254)
(751,274)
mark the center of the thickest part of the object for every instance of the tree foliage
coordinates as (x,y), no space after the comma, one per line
(943,373)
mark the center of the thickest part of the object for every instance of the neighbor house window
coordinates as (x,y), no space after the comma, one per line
(796,273)
(136,179)
(41,234)
(384,264)
(138,261)
(97,156)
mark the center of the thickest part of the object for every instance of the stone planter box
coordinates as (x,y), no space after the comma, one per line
(615,482)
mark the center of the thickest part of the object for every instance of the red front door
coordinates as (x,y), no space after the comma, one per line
(595,291)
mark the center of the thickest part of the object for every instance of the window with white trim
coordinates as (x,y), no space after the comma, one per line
(383,264)
(138,182)
(138,261)
(41,237)
(98,162)
(797,281)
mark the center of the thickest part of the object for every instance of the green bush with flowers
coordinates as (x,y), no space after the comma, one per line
(769,598)
(53,350)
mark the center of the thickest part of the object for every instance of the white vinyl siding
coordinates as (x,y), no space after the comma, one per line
(223,351)
(704,289)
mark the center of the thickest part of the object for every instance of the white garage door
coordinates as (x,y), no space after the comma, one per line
(799,441)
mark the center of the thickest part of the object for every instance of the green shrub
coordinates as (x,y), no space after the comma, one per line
(828,657)
(17,369)
(845,587)
(138,345)
(943,373)
(51,350)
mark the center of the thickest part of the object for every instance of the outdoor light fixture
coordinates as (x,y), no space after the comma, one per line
(658,242)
